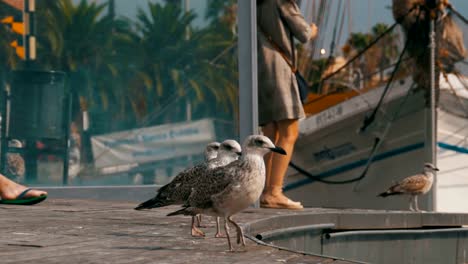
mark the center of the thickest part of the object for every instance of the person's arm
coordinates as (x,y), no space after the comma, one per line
(292,16)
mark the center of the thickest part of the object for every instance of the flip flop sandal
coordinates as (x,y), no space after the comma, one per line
(21,200)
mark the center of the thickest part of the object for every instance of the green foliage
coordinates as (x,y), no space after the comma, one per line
(135,73)
(380,55)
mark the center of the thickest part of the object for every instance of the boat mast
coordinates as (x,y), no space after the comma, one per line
(431,111)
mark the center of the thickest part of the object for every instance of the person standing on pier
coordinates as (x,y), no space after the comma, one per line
(279,102)
(17,194)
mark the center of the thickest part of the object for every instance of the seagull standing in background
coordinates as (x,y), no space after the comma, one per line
(414,185)
(228,190)
(179,189)
(228,152)
(211,151)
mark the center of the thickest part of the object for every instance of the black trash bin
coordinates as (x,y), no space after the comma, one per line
(38,105)
(39,111)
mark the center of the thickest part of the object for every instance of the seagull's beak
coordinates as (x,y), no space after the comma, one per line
(279,150)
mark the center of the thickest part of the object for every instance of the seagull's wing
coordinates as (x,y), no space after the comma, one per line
(180,188)
(177,191)
(411,184)
(214,183)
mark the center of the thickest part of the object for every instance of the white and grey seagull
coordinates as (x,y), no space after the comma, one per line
(414,186)
(179,189)
(227,190)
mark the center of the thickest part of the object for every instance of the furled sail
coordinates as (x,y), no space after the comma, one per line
(415,22)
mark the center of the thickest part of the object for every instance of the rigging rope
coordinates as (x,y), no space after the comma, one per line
(377,142)
(462,18)
(370,118)
(454,92)
(360,53)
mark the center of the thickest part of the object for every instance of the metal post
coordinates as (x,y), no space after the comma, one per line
(188,104)
(431,116)
(29,38)
(248,95)
(3,127)
(67,107)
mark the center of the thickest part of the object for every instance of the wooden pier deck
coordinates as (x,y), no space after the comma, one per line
(87,231)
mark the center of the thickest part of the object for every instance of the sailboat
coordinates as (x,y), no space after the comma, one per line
(360,137)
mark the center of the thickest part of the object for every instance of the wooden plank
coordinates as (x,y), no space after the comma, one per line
(79,231)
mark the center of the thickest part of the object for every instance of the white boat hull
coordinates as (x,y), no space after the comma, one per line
(330,146)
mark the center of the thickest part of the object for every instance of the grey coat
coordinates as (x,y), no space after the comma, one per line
(278,95)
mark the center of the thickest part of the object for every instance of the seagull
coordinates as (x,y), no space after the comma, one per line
(414,185)
(211,150)
(228,190)
(228,152)
(179,189)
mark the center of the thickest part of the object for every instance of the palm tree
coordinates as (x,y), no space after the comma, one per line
(172,66)
(379,56)
(219,52)
(82,41)
(162,53)
(388,47)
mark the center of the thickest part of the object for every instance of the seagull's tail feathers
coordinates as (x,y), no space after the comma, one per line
(153,203)
(184,211)
(163,198)
(389,192)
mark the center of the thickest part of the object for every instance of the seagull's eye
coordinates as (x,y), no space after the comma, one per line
(215,147)
(228,147)
(259,142)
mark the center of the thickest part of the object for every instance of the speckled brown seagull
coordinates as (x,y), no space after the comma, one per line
(414,185)
(228,190)
(211,152)
(228,151)
(179,189)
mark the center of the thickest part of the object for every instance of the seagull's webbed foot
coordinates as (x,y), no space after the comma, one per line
(219,235)
(195,231)
(218,229)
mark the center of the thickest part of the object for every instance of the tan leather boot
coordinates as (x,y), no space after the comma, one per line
(273,197)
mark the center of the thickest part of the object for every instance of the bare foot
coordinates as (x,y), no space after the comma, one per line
(279,201)
(10,190)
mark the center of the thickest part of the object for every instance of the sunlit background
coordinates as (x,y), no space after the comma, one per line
(141,86)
